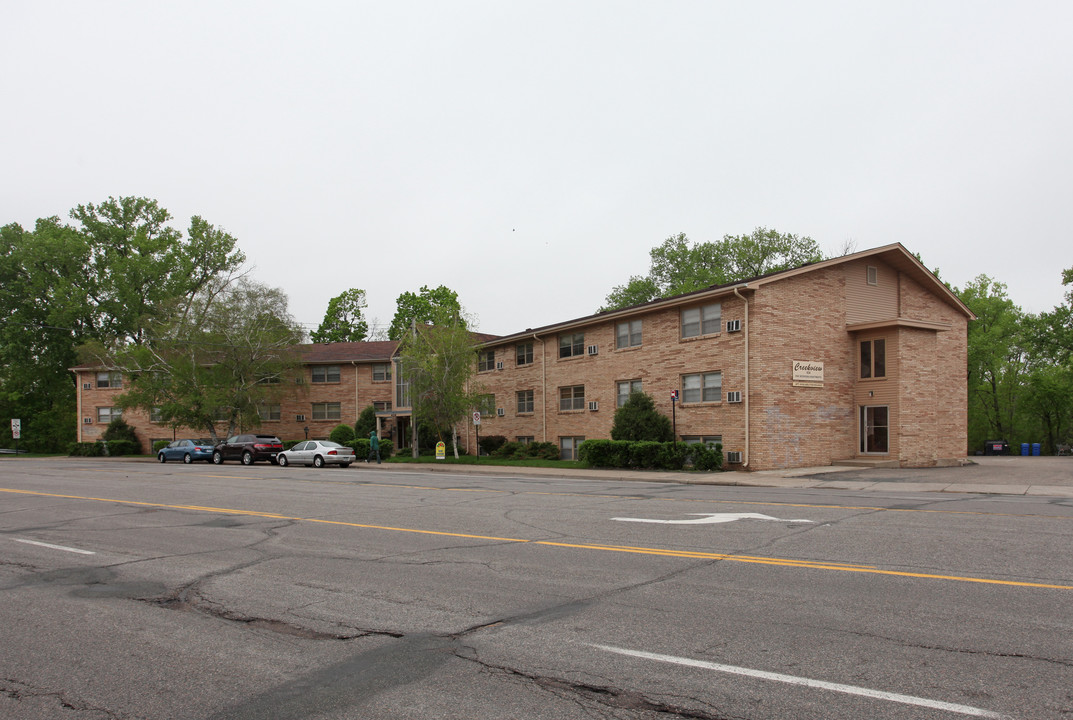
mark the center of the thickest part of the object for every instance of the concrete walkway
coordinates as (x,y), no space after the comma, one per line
(1006,475)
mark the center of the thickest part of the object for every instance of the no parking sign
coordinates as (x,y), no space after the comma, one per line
(16,428)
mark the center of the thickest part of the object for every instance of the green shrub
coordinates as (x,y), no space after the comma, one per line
(366,422)
(646,453)
(342,434)
(707,458)
(118,429)
(490,443)
(117,448)
(93,449)
(543,450)
(638,419)
(160,445)
(361,448)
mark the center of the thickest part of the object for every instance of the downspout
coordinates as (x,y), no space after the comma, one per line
(543,390)
(745,458)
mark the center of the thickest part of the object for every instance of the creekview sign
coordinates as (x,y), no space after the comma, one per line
(808,373)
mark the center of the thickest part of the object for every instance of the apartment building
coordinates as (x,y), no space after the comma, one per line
(858,357)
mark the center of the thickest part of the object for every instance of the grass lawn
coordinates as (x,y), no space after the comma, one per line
(473,460)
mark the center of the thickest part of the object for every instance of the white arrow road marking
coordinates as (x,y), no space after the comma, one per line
(807,682)
(56,547)
(711,518)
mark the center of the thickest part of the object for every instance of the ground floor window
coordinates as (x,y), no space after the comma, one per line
(709,440)
(624,388)
(326,411)
(875,429)
(568,447)
(525,439)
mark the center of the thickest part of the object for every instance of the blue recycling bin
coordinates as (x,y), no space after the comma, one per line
(1025,449)
(1035,449)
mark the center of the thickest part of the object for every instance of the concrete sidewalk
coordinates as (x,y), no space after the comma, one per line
(1001,475)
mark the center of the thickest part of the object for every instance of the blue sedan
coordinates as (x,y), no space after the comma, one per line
(186,450)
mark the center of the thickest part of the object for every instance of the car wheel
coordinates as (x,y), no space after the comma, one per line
(345,465)
(281,460)
(217,458)
(161,457)
(247,458)
(318,461)
(187,459)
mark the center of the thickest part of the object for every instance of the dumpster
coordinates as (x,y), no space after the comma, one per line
(1035,449)
(1025,450)
(996,447)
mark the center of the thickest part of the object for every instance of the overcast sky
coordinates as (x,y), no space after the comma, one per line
(528,155)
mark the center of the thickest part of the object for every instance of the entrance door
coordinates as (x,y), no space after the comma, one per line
(875,427)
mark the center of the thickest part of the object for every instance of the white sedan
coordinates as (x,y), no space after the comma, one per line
(317,453)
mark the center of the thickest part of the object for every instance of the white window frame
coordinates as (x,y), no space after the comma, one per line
(631,386)
(628,333)
(570,400)
(701,320)
(706,387)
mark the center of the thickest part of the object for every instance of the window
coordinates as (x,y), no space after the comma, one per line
(382,406)
(571,345)
(572,398)
(402,388)
(709,440)
(486,404)
(156,415)
(628,334)
(269,379)
(873,275)
(703,320)
(525,439)
(525,401)
(625,388)
(108,414)
(268,412)
(568,447)
(326,411)
(382,372)
(875,424)
(524,354)
(486,360)
(702,387)
(325,373)
(109,379)
(873,358)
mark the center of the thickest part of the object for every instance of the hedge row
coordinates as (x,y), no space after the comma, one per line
(651,455)
(99,449)
(523,451)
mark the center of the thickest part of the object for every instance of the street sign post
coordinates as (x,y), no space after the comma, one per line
(674,417)
(16,433)
(477,429)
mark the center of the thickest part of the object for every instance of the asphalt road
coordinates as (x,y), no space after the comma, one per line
(136,590)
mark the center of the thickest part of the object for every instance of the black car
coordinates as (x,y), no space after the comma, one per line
(248,448)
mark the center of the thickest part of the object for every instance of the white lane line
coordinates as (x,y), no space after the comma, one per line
(711,518)
(807,682)
(56,547)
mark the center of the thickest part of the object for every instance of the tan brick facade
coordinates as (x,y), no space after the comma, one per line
(913,413)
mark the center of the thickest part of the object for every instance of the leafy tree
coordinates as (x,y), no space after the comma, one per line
(678,266)
(997,361)
(1054,332)
(438,362)
(366,422)
(439,305)
(638,419)
(222,360)
(344,320)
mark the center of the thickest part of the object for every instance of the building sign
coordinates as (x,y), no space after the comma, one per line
(808,373)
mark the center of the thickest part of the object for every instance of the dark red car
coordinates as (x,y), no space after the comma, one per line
(248,448)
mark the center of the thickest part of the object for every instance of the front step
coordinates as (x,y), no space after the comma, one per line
(867,463)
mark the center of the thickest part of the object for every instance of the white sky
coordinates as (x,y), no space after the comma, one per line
(529,154)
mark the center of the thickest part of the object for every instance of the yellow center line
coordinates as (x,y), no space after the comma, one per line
(690,554)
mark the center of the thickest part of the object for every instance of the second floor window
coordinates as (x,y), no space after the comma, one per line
(268,412)
(325,373)
(628,334)
(571,345)
(525,401)
(109,379)
(381,372)
(625,389)
(486,360)
(702,387)
(572,398)
(326,411)
(108,414)
(873,358)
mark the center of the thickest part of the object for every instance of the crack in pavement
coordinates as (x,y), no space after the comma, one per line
(19,691)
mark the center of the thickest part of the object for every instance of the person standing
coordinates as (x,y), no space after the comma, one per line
(374,448)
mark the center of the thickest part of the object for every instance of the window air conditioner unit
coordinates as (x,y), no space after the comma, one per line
(87,386)
(593,349)
(87,420)
(594,405)
(734,396)
(299,418)
(734,457)
(499,365)
(733,325)
(500,412)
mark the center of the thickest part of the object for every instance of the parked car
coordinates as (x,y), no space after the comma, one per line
(248,448)
(186,450)
(317,453)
